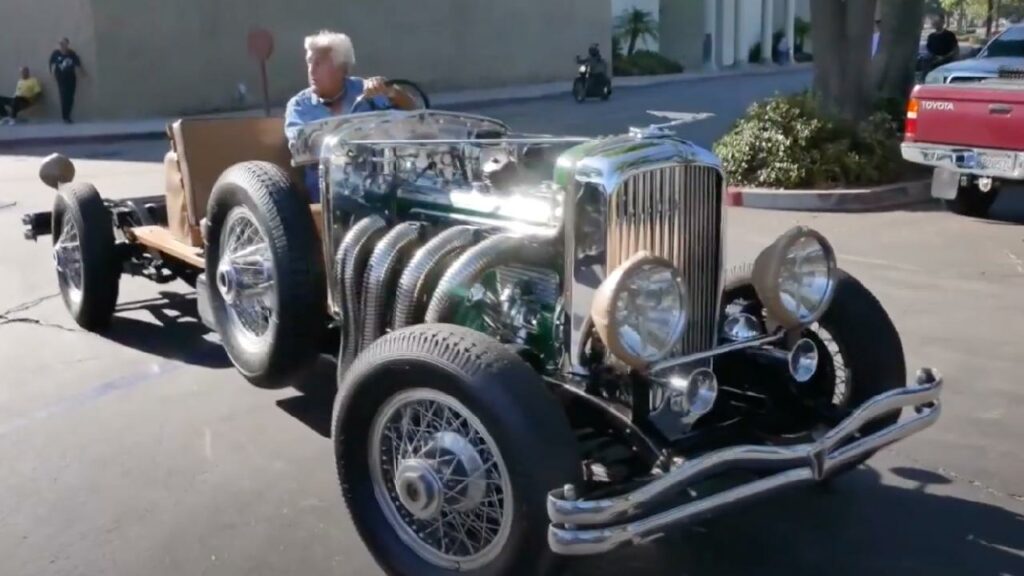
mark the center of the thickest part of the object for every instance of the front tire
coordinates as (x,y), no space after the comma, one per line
(447,445)
(861,357)
(267,283)
(579,90)
(88,266)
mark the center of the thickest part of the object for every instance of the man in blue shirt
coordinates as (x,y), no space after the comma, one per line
(332,91)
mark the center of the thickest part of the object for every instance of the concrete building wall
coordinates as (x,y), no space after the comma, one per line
(155,57)
(682,32)
(653,6)
(29,31)
(749,27)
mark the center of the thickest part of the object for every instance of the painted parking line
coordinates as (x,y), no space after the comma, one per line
(94,394)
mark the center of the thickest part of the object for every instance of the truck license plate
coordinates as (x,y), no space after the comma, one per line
(945,183)
(997,162)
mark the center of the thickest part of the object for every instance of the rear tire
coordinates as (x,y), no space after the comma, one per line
(971,201)
(88,266)
(475,388)
(274,332)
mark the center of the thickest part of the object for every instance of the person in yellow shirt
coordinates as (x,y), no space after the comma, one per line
(25,94)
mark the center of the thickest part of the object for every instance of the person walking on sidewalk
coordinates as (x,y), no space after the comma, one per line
(25,94)
(64,64)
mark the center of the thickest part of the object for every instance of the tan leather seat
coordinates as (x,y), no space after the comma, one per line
(205,147)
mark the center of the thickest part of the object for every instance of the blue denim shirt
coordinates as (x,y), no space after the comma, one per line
(307,107)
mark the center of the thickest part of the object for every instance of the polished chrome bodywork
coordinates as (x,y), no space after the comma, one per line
(609,215)
(582,527)
(434,167)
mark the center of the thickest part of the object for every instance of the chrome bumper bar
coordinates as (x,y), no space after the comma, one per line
(581,527)
(1004,164)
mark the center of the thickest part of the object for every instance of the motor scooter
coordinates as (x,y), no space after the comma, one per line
(592,80)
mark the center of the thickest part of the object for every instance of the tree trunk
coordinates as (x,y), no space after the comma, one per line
(988,18)
(842,44)
(632,41)
(892,70)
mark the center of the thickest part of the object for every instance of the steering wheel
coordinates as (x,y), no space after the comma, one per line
(410,88)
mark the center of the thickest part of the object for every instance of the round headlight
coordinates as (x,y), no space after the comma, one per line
(640,310)
(795,277)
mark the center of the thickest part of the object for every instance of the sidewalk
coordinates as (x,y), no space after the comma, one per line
(44,132)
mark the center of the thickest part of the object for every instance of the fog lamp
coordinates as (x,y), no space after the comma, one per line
(795,277)
(803,360)
(694,395)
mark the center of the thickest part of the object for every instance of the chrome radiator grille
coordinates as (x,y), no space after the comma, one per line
(675,213)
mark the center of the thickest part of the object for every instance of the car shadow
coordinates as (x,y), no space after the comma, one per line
(314,403)
(854,526)
(171,329)
(1008,208)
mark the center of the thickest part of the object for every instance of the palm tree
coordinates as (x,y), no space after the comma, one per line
(634,24)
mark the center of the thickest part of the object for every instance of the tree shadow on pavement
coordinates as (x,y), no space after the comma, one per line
(855,526)
(177,332)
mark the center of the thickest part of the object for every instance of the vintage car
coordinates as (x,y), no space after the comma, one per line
(541,352)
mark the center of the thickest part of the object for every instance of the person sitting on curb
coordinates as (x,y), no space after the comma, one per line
(25,94)
(332,91)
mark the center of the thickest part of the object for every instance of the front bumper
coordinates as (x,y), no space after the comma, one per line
(581,527)
(1003,164)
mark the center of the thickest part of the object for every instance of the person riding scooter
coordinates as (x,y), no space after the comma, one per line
(593,77)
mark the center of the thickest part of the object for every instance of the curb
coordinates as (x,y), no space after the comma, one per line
(451,101)
(858,200)
(106,138)
(550,90)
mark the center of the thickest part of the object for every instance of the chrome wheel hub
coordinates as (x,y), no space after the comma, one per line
(419,489)
(245,279)
(440,480)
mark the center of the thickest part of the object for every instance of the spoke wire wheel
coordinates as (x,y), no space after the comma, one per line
(836,376)
(440,480)
(67,255)
(245,279)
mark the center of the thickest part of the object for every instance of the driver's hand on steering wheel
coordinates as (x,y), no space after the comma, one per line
(376,86)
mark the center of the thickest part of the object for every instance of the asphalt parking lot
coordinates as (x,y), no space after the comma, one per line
(143,452)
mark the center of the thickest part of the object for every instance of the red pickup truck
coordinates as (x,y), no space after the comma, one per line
(973,134)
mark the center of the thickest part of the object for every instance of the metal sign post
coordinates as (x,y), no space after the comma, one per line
(261,46)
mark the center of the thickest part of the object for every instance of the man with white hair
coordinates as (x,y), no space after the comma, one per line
(332,91)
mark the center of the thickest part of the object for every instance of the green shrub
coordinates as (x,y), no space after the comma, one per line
(644,63)
(789,142)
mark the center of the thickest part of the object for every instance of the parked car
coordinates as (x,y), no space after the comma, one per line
(542,352)
(1006,50)
(971,133)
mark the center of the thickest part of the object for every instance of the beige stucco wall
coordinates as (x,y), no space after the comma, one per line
(682,32)
(188,56)
(29,31)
